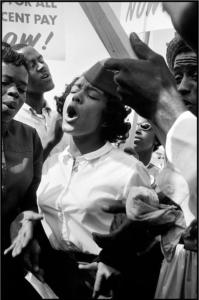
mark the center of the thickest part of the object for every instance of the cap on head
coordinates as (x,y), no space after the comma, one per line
(176,46)
(102,79)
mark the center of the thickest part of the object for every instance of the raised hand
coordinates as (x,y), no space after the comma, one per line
(21,231)
(146,85)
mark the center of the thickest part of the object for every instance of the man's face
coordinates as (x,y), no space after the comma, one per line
(14,83)
(39,74)
(186,76)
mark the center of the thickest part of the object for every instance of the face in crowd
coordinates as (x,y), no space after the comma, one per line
(39,75)
(186,76)
(144,136)
(14,86)
(83,109)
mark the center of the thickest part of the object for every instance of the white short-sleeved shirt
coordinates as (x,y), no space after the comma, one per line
(42,123)
(72,193)
(181,151)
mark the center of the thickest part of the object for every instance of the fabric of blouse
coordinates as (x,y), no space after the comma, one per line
(178,278)
(73,191)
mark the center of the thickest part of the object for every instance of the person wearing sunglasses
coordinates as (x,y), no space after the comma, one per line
(145,144)
(153,89)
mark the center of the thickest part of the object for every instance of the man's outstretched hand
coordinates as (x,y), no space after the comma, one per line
(146,85)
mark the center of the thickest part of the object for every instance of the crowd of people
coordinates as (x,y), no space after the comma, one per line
(81,218)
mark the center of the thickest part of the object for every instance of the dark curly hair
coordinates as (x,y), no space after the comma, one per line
(115,129)
(10,56)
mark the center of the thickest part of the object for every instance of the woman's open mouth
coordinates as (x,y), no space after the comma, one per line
(72,114)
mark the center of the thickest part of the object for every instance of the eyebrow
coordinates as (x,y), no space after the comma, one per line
(92,88)
(89,87)
(11,79)
(190,67)
(35,58)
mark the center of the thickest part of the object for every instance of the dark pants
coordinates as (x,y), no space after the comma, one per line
(61,273)
(13,283)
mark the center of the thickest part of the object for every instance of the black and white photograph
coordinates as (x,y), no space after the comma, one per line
(99,150)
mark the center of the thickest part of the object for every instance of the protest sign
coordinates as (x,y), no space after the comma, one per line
(144,16)
(39,24)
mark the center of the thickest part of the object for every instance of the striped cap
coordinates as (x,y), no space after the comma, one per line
(174,47)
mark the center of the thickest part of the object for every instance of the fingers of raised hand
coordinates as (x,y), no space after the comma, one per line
(92,266)
(32,216)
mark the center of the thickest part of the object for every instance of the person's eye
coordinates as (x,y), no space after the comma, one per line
(4,82)
(32,65)
(41,60)
(21,90)
(145,126)
(195,76)
(178,78)
(93,97)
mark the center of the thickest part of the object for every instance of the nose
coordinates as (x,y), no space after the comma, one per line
(77,98)
(13,92)
(184,87)
(138,129)
(40,66)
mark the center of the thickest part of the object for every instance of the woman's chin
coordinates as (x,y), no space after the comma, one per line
(67,129)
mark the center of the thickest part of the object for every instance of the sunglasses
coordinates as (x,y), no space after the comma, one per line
(144,126)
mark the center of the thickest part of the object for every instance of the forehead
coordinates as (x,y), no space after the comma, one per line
(30,53)
(141,119)
(185,60)
(84,83)
(19,73)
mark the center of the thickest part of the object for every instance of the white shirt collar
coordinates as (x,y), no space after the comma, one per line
(26,107)
(88,156)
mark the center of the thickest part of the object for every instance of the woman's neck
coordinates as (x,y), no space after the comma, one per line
(145,156)
(83,145)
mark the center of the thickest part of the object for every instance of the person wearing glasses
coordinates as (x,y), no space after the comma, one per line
(145,143)
(153,89)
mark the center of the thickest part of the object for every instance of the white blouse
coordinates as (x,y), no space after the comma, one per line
(73,191)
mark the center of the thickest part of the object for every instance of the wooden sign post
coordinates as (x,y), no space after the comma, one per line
(111,34)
